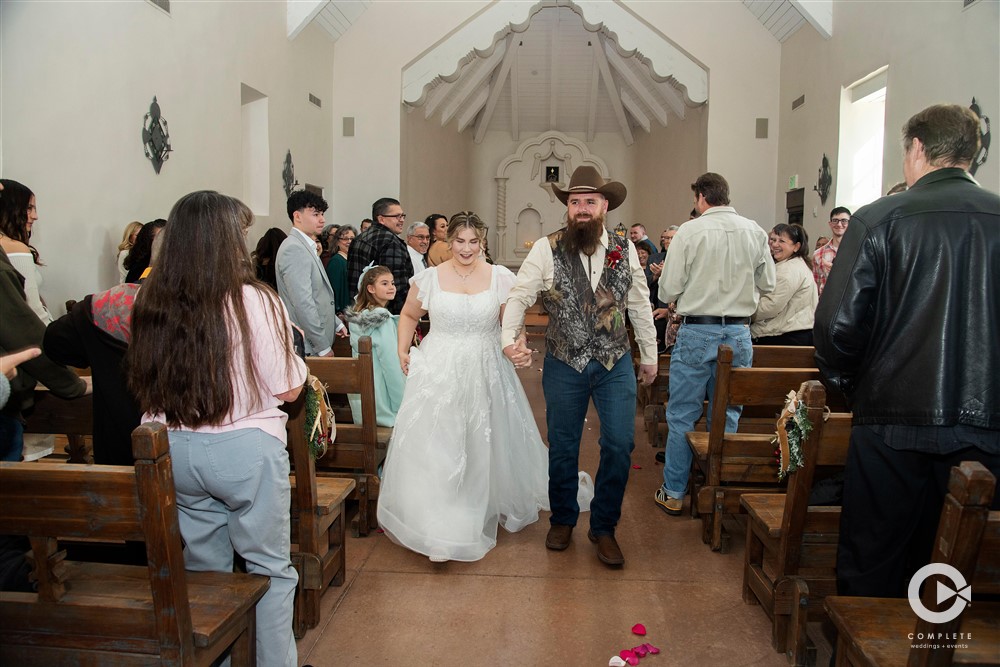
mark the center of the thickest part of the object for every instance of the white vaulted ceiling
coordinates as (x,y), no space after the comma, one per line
(555,72)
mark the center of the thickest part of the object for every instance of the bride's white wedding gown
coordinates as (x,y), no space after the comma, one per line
(465,453)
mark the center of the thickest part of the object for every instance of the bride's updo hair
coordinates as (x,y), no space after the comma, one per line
(466,220)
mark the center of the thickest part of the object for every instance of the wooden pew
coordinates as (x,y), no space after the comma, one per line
(319,531)
(727,465)
(72,418)
(789,540)
(101,614)
(764,356)
(360,448)
(877,631)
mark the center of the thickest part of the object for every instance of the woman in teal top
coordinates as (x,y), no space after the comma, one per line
(336,270)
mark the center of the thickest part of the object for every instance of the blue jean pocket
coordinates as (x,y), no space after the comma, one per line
(236,456)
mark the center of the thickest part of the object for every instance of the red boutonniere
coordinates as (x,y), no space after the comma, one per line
(613,256)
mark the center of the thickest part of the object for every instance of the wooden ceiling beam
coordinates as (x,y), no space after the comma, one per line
(641,86)
(515,128)
(597,45)
(471,81)
(495,89)
(470,110)
(633,108)
(595,80)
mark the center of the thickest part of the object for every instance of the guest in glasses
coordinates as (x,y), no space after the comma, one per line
(381,244)
(823,257)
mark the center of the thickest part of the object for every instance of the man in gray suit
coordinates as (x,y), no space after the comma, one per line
(302,281)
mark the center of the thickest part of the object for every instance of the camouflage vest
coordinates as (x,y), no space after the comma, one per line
(585,324)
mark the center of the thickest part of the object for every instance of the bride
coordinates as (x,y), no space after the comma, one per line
(465,453)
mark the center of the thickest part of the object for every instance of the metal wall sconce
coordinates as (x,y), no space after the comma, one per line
(825,180)
(288,175)
(984,138)
(155,136)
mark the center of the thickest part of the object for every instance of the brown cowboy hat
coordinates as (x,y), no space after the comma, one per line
(588,179)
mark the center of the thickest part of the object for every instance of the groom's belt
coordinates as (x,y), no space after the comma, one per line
(713,319)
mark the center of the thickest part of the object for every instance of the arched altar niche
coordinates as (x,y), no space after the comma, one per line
(527,209)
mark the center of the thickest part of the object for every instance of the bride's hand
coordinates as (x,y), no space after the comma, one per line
(404,363)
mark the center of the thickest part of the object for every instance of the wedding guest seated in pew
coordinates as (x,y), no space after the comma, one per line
(128,240)
(902,332)
(211,357)
(18,216)
(21,328)
(785,315)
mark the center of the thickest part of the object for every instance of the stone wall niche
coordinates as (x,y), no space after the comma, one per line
(527,208)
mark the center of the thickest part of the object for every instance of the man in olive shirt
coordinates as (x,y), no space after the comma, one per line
(716,268)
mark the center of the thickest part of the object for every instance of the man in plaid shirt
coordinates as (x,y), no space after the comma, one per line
(824,256)
(381,244)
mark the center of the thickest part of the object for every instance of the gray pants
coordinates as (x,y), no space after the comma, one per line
(233,493)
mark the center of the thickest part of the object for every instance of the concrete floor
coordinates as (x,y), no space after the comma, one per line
(525,605)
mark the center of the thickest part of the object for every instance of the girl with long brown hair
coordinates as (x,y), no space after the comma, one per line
(17,216)
(211,357)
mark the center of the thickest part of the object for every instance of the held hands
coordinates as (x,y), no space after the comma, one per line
(647,373)
(519,353)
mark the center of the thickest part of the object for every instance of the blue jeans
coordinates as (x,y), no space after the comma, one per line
(11,438)
(567,397)
(692,377)
(233,492)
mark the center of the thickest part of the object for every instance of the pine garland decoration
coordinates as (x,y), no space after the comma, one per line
(797,427)
(319,442)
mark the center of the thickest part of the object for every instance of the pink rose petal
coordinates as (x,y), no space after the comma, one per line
(616,661)
(639,629)
(640,651)
(629,657)
(636,466)
(652,649)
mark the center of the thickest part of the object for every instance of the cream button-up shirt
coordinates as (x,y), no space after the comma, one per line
(536,275)
(718,264)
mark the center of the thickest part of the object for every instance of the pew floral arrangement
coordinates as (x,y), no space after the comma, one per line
(793,428)
(321,429)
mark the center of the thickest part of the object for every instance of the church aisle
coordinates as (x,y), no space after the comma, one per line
(525,605)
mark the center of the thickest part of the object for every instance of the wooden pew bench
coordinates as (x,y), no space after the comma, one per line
(787,540)
(753,420)
(878,631)
(726,465)
(102,614)
(72,418)
(319,532)
(360,448)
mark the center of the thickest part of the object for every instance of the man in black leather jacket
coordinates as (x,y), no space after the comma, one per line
(907,328)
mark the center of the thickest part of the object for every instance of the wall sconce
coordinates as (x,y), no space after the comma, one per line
(155,136)
(288,174)
(825,180)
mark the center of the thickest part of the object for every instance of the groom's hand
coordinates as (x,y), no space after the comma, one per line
(518,353)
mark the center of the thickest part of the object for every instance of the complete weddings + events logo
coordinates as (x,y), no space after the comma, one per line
(960,590)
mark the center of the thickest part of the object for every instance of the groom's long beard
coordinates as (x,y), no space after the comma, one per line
(583,235)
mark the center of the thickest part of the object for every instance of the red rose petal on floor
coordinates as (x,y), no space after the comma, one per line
(629,657)
(639,629)
(640,651)
(652,649)
(636,466)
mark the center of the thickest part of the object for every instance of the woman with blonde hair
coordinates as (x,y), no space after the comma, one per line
(128,240)
(465,454)
(211,357)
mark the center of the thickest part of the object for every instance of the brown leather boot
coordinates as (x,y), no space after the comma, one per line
(558,537)
(608,550)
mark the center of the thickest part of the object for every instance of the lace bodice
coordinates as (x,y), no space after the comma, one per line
(456,314)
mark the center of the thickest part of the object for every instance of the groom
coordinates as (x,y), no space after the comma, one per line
(588,279)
